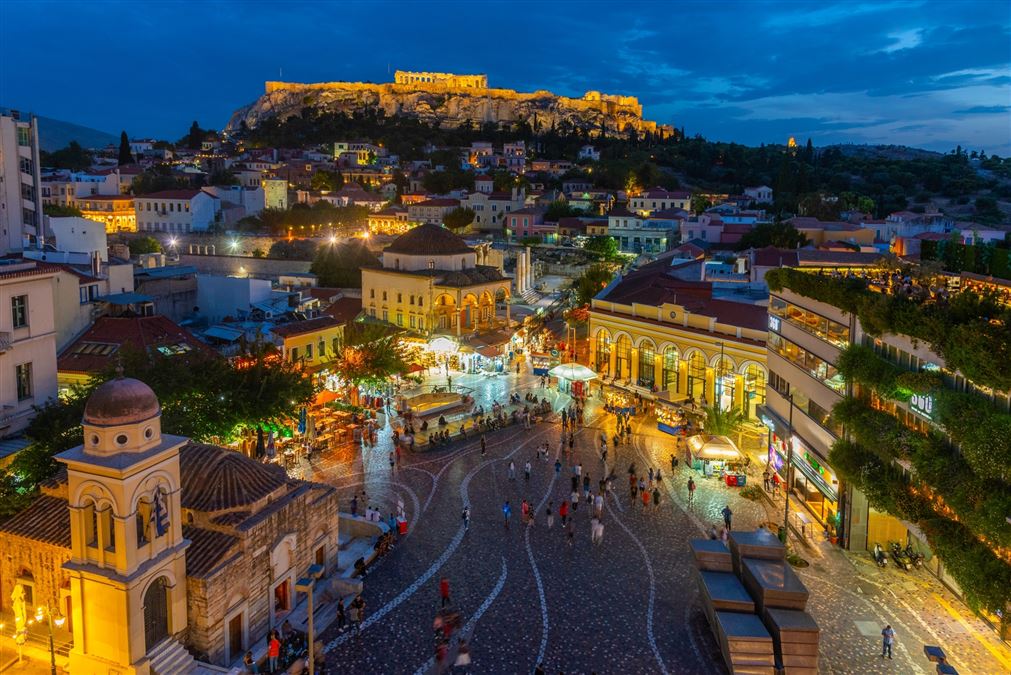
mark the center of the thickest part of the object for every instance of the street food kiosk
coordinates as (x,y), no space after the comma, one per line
(573,378)
(717,456)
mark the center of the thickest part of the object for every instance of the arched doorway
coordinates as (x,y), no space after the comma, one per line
(725,381)
(603,351)
(647,363)
(670,368)
(445,312)
(623,357)
(754,387)
(156,625)
(697,376)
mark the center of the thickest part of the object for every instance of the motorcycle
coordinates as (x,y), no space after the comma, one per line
(914,556)
(879,555)
(900,557)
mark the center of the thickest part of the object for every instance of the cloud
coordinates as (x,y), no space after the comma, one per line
(830,14)
(906,39)
(984,110)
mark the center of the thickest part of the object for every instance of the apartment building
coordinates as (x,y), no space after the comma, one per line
(176,211)
(20,183)
(116,212)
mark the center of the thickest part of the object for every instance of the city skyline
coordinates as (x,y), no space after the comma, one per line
(929,75)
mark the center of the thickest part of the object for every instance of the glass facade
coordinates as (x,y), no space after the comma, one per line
(817,367)
(647,364)
(670,368)
(830,331)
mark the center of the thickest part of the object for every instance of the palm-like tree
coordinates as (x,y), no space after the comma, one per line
(725,422)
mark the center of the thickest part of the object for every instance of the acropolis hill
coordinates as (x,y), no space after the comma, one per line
(449,100)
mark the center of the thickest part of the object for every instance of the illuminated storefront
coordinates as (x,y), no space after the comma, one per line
(814,483)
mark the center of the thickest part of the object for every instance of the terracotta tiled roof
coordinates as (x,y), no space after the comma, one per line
(231,518)
(207,549)
(215,479)
(303,327)
(36,269)
(428,239)
(139,332)
(47,519)
(439,202)
(344,309)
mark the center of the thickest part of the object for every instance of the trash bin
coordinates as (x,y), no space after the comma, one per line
(782,533)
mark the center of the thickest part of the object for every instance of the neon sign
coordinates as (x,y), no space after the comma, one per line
(922,404)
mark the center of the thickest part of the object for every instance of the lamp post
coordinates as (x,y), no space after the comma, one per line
(786,481)
(306,585)
(47,613)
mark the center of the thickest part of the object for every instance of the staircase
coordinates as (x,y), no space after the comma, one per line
(170,658)
(530,296)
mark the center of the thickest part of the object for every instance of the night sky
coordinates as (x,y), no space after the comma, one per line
(926,74)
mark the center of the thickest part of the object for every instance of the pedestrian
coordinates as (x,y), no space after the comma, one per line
(645,499)
(887,640)
(359,607)
(507,511)
(466,517)
(484,446)
(727,513)
(651,476)
(593,530)
(656,496)
(273,651)
(525,511)
(526,471)
(579,469)
(574,498)
(633,485)
(598,504)
(600,531)
(571,534)
(572,442)
(512,470)
(250,663)
(444,591)
(558,466)
(539,670)
(724,535)
(691,491)
(659,478)
(713,534)
(551,515)
(342,618)
(563,511)
(354,505)
(462,655)
(575,482)
(586,486)
(766,479)
(673,462)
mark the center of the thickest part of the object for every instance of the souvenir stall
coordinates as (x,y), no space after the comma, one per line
(619,402)
(717,456)
(573,378)
(540,363)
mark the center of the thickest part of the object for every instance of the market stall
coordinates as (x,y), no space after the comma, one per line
(671,417)
(619,402)
(572,379)
(540,363)
(717,456)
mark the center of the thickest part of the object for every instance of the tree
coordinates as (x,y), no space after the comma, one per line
(125,156)
(458,219)
(729,422)
(156,179)
(592,281)
(327,181)
(603,245)
(779,234)
(195,137)
(142,245)
(61,211)
(561,209)
(72,157)
(339,266)
(222,177)
(295,249)
(369,354)
(700,203)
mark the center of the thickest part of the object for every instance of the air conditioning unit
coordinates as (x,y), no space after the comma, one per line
(6,341)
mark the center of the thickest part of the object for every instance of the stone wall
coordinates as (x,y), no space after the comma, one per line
(235,265)
(43,561)
(247,579)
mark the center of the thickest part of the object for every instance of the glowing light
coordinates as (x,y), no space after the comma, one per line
(172,242)
(333,239)
(233,245)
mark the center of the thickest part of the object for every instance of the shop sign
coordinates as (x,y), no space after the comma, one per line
(922,404)
(774,323)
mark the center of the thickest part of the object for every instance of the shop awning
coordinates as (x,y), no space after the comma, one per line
(492,338)
(573,372)
(415,368)
(326,396)
(718,448)
(489,351)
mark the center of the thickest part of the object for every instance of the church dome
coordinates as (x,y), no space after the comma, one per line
(428,239)
(122,400)
(216,479)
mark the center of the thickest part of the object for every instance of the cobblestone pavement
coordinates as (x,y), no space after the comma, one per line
(629,604)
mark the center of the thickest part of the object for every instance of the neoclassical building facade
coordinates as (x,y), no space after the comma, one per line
(664,335)
(430,280)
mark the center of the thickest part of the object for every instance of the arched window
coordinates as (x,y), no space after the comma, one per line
(90,519)
(142,519)
(647,364)
(754,387)
(603,355)
(671,360)
(697,376)
(108,524)
(622,357)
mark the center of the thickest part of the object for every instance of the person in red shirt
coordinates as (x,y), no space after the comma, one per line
(273,652)
(444,590)
(563,511)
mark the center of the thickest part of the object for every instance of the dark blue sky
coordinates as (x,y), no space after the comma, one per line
(927,74)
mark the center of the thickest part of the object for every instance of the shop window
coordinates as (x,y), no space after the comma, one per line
(647,364)
(671,360)
(623,356)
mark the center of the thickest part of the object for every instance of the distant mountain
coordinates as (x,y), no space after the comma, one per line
(884,151)
(56,134)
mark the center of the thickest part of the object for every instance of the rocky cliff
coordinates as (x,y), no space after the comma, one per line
(450,106)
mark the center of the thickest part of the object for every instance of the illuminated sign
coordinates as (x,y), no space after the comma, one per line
(922,404)
(774,323)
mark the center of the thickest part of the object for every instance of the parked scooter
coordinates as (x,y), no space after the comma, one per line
(900,557)
(915,556)
(879,555)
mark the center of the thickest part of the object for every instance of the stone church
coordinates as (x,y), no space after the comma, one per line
(159,551)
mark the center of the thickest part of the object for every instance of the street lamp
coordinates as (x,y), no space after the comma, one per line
(306,585)
(47,613)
